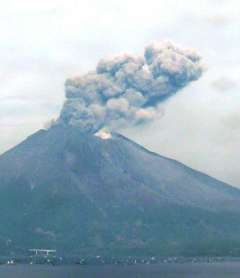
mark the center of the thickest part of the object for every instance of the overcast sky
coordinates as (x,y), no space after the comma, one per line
(44,42)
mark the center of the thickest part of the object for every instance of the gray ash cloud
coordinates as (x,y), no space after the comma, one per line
(125,90)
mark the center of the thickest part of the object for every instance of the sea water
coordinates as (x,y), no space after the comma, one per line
(185,270)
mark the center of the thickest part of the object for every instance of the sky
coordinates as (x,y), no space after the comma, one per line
(44,42)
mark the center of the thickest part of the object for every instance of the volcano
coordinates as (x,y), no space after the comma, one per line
(83,194)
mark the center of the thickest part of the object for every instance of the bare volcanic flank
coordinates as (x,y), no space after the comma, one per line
(76,192)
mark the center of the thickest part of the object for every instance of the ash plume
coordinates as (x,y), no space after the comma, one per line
(125,90)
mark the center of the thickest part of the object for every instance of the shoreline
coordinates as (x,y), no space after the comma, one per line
(96,261)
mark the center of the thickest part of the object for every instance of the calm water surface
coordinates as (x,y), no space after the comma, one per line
(217,270)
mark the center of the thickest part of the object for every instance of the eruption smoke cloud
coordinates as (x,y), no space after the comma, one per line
(126,90)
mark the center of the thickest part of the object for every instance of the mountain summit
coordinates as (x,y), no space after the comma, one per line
(86,194)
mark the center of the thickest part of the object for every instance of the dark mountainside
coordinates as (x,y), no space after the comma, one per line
(79,194)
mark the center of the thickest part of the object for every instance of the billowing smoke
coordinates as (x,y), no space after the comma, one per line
(126,90)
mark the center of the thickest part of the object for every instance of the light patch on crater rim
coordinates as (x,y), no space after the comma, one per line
(103,134)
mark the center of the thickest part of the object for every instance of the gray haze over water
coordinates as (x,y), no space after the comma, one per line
(203,270)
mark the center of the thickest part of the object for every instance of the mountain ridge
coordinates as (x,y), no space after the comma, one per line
(32,136)
(78,193)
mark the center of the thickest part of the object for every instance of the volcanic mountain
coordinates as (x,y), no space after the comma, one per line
(81,194)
